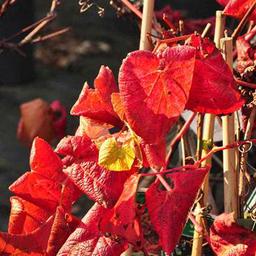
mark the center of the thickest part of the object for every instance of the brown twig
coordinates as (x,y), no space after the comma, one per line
(41,25)
(33,31)
(5,5)
(51,35)
(26,29)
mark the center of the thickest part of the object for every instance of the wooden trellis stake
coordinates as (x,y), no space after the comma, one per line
(208,132)
(229,156)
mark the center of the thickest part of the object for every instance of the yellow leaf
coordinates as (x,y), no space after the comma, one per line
(117,156)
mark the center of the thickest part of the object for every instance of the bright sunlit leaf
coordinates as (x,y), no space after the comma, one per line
(116,156)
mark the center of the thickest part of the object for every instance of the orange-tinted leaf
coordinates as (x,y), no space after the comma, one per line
(96,182)
(44,160)
(118,105)
(122,219)
(213,89)
(88,240)
(229,239)
(25,217)
(96,103)
(42,191)
(238,8)
(154,90)
(168,210)
(36,120)
(33,243)
(45,240)
(46,185)
(92,128)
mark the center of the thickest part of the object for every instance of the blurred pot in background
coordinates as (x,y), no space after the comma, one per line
(15,68)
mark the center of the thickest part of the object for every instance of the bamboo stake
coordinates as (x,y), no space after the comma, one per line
(229,156)
(208,131)
(146,26)
(147,17)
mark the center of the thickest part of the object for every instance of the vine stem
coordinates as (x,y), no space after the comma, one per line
(197,164)
(132,8)
(244,176)
(178,137)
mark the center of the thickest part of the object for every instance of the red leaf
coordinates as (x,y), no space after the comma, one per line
(43,192)
(229,239)
(245,51)
(99,184)
(238,8)
(46,239)
(213,89)
(64,224)
(25,217)
(122,219)
(59,118)
(78,148)
(96,103)
(45,161)
(168,210)
(157,87)
(153,154)
(33,243)
(46,185)
(88,240)
(223,2)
